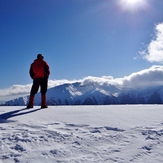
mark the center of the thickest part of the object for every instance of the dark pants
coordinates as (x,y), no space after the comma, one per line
(39,82)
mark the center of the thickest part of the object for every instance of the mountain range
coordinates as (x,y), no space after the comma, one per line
(95,93)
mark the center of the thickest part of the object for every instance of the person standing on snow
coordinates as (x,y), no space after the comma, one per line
(39,71)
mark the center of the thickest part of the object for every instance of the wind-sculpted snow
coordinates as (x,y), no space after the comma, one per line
(82,134)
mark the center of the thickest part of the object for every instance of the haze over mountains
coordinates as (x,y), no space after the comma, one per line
(143,87)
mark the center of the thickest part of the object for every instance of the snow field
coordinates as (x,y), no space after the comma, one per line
(82,134)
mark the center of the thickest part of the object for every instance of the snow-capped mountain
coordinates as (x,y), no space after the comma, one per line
(94,93)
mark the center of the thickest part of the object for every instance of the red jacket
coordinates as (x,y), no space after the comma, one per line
(39,69)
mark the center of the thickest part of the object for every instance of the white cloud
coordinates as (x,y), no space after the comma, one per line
(53,83)
(147,77)
(154,51)
(16,91)
(104,80)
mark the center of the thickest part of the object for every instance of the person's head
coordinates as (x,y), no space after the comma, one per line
(40,56)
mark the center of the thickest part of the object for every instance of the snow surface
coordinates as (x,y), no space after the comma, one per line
(82,134)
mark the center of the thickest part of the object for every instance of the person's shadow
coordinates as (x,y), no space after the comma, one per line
(5,116)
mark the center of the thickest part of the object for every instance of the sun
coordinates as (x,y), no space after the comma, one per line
(132,4)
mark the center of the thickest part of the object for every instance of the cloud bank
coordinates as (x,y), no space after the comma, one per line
(16,91)
(154,51)
(144,78)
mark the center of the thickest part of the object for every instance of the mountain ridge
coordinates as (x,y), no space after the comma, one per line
(94,93)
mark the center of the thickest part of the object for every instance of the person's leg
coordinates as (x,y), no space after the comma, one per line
(34,90)
(43,101)
(31,101)
(44,85)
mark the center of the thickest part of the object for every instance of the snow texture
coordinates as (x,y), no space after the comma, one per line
(82,134)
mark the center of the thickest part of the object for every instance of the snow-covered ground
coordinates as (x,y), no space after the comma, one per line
(82,134)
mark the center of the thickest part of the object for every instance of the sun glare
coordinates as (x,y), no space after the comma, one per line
(132,4)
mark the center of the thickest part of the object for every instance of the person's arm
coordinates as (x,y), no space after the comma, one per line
(47,70)
(31,73)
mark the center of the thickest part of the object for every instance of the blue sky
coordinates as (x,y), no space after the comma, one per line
(79,38)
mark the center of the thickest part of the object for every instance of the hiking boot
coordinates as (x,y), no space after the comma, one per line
(44,106)
(29,106)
